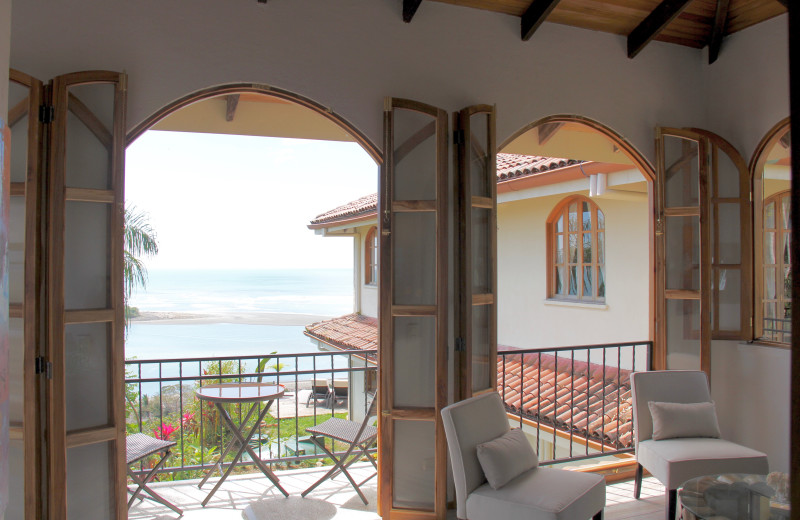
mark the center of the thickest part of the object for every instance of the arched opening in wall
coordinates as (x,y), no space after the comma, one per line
(771,172)
(575,289)
(251,210)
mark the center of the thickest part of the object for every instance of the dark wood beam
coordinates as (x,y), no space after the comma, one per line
(718,31)
(786,140)
(533,17)
(784,3)
(547,131)
(231,101)
(409,9)
(655,22)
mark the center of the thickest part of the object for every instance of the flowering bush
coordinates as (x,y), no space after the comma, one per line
(165,431)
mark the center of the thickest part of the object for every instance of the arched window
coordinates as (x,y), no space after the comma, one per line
(576,251)
(777,268)
(371,257)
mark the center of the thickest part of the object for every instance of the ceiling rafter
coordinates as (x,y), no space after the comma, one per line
(410,9)
(655,22)
(533,17)
(547,131)
(784,3)
(231,102)
(718,31)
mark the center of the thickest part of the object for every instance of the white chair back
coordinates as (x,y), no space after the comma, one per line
(467,424)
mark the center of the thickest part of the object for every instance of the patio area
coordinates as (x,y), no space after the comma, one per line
(250,497)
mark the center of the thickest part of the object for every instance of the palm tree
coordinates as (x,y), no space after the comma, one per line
(140,241)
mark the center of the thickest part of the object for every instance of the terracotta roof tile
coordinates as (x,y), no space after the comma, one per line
(510,166)
(353,331)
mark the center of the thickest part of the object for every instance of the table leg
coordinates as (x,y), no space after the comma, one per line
(218,464)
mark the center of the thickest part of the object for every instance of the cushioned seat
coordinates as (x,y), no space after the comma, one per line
(540,494)
(674,461)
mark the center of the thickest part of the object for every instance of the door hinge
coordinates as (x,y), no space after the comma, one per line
(458,137)
(461,345)
(44,367)
(46,114)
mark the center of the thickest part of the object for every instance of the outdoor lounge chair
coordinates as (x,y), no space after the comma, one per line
(359,437)
(319,390)
(483,447)
(338,389)
(688,446)
(138,447)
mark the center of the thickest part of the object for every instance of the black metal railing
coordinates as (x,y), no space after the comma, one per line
(778,329)
(160,401)
(575,401)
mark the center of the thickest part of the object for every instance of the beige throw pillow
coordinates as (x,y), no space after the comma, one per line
(506,457)
(675,420)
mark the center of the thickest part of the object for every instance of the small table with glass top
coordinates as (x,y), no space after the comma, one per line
(239,393)
(736,496)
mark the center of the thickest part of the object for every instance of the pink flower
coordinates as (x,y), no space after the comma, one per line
(187,420)
(165,431)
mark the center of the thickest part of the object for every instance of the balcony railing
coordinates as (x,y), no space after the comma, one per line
(575,401)
(160,401)
(778,329)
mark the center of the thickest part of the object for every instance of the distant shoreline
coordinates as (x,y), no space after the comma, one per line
(238,318)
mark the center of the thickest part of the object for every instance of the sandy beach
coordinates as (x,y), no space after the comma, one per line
(241,318)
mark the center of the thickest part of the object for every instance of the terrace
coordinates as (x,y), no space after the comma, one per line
(573,402)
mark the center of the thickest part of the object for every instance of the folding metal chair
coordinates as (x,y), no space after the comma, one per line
(138,447)
(360,437)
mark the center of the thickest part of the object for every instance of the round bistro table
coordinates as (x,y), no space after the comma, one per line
(240,393)
(735,496)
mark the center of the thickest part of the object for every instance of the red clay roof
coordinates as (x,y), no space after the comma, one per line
(593,400)
(510,166)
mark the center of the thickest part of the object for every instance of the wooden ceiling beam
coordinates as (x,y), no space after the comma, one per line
(533,17)
(231,102)
(547,131)
(784,3)
(655,22)
(410,9)
(718,31)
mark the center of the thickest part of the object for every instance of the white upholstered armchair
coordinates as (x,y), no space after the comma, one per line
(677,435)
(482,446)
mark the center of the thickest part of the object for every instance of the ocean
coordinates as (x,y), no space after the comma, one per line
(324,292)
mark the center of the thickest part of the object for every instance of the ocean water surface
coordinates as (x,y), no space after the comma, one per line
(325,292)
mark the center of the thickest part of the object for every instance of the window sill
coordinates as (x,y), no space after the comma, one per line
(370,286)
(580,305)
(766,344)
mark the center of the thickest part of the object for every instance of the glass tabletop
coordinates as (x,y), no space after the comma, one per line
(737,496)
(240,392)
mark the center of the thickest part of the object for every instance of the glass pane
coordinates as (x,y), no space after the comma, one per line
(481,251)
(786,212)
(560,289)
(18,97)
(587,282)
(16,355)
(414,475)
(587,248)
(727,176)
(478,160)
(769,283)
(86,252)
(560,224)
(682,172)
(601,247)
(414,250)
(587,216)
(414,156)
(482,365)
(414,352)
(601,282)
(559,249)
(730,299)
(787,283)
(683,253)
(89,482)
(601,220)
(573,280)
(573,217)
(87,376)
(769,248)
(16,485)
(90,121)
(573,248)
(729,234)
(16,249)
(683,334)
(769,215)
(787,249)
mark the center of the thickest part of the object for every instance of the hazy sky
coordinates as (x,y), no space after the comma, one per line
(240,202)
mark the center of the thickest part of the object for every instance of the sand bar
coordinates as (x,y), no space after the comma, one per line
(242,318)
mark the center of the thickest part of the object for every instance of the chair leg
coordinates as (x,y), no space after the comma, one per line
(672,502)
(598,516)
(637,482)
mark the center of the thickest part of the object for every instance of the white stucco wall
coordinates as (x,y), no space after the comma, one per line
(369,293)
(527,320)
(349,54)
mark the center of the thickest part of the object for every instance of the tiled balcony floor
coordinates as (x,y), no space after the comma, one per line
(252,497)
